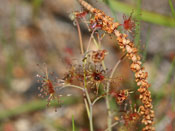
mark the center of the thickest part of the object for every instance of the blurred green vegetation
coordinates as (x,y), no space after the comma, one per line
(35,106)
(146,16)
(172,8)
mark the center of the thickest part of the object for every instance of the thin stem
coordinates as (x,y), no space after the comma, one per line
(96,43)
(74,86)
(98,98)
(86,23)
(91,120)
(115,123)
(88,101)
(109,120)
(87,107)
(73,124)
(90,110)
(115,67)
(87,95)
(80,37)
(92,36)
(107,94)
(100,39)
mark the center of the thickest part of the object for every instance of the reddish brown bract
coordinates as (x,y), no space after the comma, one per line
(47,88)
(81,14)
(120,96)
(130,118)
(98,56)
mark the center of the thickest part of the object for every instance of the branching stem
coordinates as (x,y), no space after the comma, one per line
(90,109)
(115,123)
(98,98)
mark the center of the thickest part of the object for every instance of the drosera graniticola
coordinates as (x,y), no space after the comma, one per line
(128,23)
(126,45)
(49,85)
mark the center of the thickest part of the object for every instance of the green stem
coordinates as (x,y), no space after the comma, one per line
(87,108)
(98,98)
(90,110)
(109,120)
(73,124)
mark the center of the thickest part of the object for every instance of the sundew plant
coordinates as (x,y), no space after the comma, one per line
(96,81)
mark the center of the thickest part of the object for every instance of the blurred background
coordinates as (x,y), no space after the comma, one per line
(40,31)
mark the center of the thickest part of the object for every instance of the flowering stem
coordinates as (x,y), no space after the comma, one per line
(91,120)
(90,110)
(87,107)
(109,119)
(88,101)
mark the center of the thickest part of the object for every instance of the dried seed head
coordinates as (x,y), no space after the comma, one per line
(98,56)
(120,96)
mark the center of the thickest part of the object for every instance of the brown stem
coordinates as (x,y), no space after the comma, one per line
(80,37)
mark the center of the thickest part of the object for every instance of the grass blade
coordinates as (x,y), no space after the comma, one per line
(172,9)
(73,124)
(137,28)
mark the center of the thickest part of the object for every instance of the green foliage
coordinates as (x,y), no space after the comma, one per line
(147,16)
(73,124)
(172,9)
